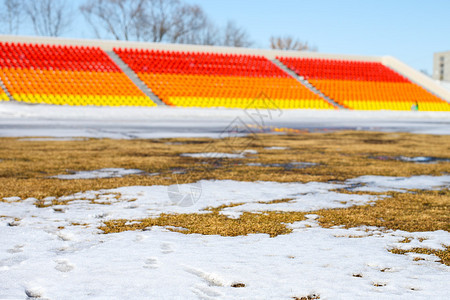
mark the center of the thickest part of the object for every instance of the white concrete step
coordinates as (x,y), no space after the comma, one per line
(134,78)
(306,84)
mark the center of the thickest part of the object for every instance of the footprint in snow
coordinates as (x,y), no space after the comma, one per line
(34,292)
(152,263)
(167,248)
(16,249)
(205,293)
(63,265)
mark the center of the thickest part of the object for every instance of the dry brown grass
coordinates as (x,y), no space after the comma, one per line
(444,255)
(415,211)
(26,165)
(25,168)
(426,211)
(214,223)
(309,297)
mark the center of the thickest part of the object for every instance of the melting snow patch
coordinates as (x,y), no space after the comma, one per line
(52,139)
(423,159)
(213,155)
(34,255)
(400,184)
(417,159)
(220,154)
(102,173)
(276,148)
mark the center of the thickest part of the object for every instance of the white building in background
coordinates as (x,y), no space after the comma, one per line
(441,66)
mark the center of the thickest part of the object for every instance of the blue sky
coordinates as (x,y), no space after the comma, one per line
(411,30)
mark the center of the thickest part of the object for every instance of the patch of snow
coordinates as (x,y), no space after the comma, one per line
(423,159)
(417,159)
(249,151)
(18,119)
(51,254)
(314,199)
(276,148)
(214,155)
(51,139)
(400,184)
(10,199)
(101,173)
(158,264)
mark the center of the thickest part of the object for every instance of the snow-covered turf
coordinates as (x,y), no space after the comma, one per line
(101,173)
(57,252)
(242,154)
(18,119)
(276,148)
(214,155)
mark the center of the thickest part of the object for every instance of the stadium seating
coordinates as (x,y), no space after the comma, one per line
(364,85)
(66,75)
(3,96)
(218,80)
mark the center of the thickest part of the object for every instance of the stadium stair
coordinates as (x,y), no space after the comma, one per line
(133,76)
(4,94)
(307,84)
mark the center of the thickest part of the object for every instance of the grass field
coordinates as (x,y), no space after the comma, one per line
(27,165)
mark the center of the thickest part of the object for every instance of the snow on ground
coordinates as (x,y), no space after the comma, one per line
(214,155)
(101,173)
(43,254)
(386,183)
(423,159)
(58,253)
(221,155)
(276,148)
(18,119)
(52,139)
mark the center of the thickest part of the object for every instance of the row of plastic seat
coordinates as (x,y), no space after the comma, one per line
(249,103)
(364,85)
(64,82)
(28,56)
(75,100)
(167,53)
(380,95)
(341,70)
(223,87)
(396,105)
(382,91)
(196,64)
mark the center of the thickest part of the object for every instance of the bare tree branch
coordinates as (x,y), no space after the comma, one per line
(49,17)
(120,18)
(11,15)
(288,43)
(187,23)
(157,21)
(235,36)
(208,35)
